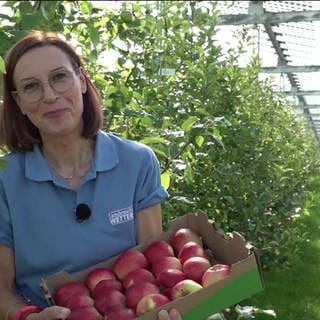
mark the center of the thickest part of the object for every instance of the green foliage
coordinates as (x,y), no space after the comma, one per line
(2,67)
(284,284)
(226,142)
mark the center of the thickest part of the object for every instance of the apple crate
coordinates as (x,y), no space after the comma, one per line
(244,280)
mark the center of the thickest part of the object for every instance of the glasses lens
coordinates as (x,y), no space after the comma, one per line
(31,91)
(61,80)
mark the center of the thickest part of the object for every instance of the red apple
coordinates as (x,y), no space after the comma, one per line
(119,313)
(96,275)
(182,236)
(109,299)
(106,285)
(68,289)
(192,249)
(157,250)
(151,301)
(184,288)
(78,300)
(215,273)
(85,313)
(164,264)
(137,291)
(195,267)
(128,261)
(169,277)
(138,275)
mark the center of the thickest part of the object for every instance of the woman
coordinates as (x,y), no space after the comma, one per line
(71,195)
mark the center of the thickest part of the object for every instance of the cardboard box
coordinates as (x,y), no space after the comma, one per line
(245,279)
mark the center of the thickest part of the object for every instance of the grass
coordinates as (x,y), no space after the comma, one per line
(293,292)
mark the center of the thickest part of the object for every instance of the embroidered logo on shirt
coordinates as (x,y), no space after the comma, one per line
(121,216)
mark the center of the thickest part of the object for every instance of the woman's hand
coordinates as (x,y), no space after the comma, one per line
(56,312)
(50,313)
(173,314)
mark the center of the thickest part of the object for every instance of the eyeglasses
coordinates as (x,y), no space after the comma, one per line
(31,90)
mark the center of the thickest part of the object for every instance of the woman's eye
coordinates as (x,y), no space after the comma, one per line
(32,86)
(59,76)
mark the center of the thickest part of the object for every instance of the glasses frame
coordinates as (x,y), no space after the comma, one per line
(72,73)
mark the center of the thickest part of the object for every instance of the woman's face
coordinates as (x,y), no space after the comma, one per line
(49,91)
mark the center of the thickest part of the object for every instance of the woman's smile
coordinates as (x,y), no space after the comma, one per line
(57,113)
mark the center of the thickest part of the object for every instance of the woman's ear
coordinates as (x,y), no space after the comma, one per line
(83,81)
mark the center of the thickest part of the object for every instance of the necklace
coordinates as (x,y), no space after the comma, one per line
(72,176)
(76,171)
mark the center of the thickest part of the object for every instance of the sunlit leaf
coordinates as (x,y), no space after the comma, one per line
(152,140)
(199,140)
(187,125)
(2,66)
(165,179)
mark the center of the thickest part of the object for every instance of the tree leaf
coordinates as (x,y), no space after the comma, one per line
(2,66)
(188,124)
(165,179)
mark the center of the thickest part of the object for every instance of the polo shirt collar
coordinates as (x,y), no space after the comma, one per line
(105,154)
(105,158)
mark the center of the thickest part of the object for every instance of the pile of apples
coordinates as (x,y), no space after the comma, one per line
(138,282)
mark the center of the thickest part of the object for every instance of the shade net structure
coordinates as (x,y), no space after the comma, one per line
(286,36)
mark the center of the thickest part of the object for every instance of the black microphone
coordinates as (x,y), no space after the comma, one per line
(83,212)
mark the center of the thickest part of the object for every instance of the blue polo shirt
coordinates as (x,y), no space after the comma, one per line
(37,210)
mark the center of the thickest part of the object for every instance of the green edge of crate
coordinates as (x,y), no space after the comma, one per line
(238,289)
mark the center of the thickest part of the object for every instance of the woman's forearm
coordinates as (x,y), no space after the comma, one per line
(10,303)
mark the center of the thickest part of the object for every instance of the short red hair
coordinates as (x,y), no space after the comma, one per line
(17,133)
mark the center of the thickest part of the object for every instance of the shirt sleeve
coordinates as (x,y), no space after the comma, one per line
(149,189)
(6,237)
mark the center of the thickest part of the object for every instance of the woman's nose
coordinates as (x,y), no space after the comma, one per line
(48,92)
